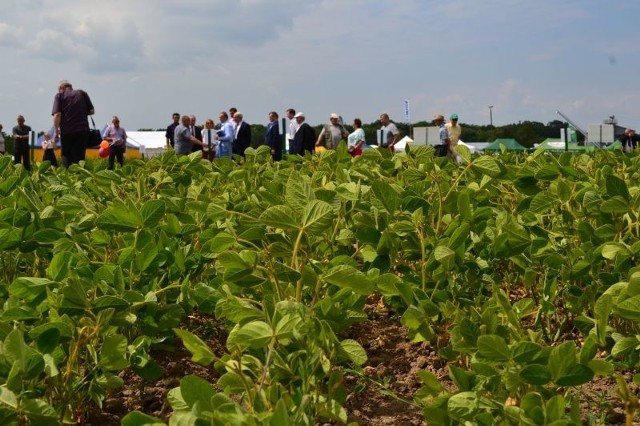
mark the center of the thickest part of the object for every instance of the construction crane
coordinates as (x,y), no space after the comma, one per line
(575,126)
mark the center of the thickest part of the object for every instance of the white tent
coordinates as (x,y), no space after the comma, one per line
(150,143)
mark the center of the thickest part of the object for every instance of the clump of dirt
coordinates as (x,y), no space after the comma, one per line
(384,396)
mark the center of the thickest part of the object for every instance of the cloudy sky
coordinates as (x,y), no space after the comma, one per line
(144,59)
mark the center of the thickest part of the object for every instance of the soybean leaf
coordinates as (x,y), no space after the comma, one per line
(113,354)
(345,276)
(535,374)
(279,217)
(317,216)
(354,351)
(486,165)
(386,194)
(464,152)
(136,418)
(118,219)
(562,359)
(196,390)
(255,334)
(152,212)
(29,287)
(201,352)
(493,348)
(617,187)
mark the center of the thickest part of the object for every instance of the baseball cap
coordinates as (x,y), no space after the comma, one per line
(454,116)
(300,114)
(334,115)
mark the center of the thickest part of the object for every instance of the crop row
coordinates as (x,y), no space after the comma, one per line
(520,270)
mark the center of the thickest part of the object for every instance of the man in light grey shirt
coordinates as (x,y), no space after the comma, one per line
(183,140)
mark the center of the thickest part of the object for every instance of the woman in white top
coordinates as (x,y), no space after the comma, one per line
(355,140)
(209,142)
(49,146)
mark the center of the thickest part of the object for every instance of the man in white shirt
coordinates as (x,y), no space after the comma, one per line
(390,133)
(293,126)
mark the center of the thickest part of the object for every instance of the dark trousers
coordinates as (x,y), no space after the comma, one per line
(116,152)
(50,155)
(73,147)
(21,154)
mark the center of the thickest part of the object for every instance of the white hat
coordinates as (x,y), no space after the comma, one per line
(334,115)
(300,114)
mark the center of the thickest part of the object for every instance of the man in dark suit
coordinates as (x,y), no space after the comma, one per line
(629,140)
(272,137)
(305,138)
(242,140)
(196,132)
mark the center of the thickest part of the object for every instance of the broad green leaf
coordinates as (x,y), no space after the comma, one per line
(541,203)
(576,375)
(136,418)
(345,276)
(113,354)
(445,256)
(317,216)
(624,346)
(280,415)
(633,289)
(39,412)
(386,194)
(617,187)
(254,334)
(354,351)
(616,204)
(222,242)
(59,267)
(432,385)
(535,374)
(611,250)
(29,287)
(279,217)
(16,350)
(548,172)
(196,390)
(297,192)
(464,152)
(562,359)
(459,236)
(486,165)
(465,207)
(629,308)
(525,351)
(152,212)
(8,398)
(493,348)
(201,352)
(118,219)
(234,266)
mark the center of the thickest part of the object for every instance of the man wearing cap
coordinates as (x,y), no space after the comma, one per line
(455,131)
(70,110)
(305,137)
(442,150)
(332,133)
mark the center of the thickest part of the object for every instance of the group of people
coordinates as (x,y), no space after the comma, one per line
(231,136)
(70,131)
